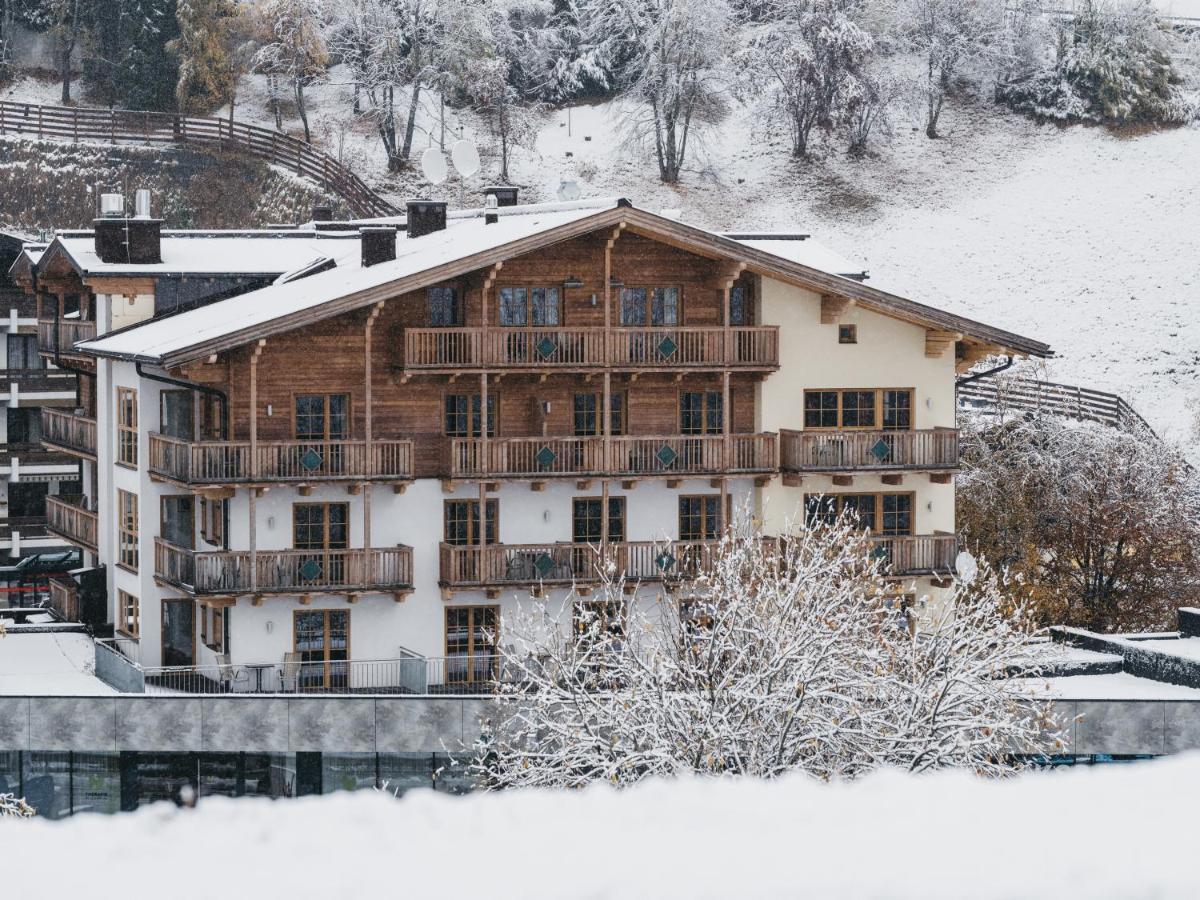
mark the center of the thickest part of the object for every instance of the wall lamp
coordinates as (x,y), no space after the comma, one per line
(573,281)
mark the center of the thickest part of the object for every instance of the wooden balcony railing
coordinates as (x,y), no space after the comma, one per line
(917,554)
(499,565)
(671,455)
(37,381)
(835,451)
(626,348)
(65,431)
(72,522)
(229,462)
(62,333)
(284,571)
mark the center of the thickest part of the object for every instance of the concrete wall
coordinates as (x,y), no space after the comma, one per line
(240,724)
(1129,727)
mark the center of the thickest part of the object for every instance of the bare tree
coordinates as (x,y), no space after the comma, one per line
(781,656)
(294,47)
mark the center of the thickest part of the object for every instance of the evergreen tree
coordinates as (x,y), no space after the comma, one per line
(206,76)
(128,62)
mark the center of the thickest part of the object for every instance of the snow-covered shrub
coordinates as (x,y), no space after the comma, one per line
(1112,63)
(776,656)
(14,807)
(1100,523)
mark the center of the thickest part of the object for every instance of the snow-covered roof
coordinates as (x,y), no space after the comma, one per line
(804,250)
(49,663)
(468,243)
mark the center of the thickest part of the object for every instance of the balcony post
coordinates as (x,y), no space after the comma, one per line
(726,411)
(368,432)
(484,468)
(254,355)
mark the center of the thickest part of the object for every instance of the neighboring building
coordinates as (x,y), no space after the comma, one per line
(375,455)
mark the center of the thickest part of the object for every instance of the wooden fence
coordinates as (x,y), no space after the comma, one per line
(153,128)
(1066,400)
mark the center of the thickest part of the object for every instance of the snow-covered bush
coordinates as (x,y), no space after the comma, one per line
(1100,523)
(14,807)
(775,656)
(1112,63)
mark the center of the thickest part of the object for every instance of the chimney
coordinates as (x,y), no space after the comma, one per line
(505,195)
(490,216)
(378,244)
(123,240)
(426,217)
(322,212)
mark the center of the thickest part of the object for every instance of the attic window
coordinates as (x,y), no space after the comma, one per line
(847,334)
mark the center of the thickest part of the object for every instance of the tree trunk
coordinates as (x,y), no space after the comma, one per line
(357,102)
(411,125)
(300,109)
(66,73)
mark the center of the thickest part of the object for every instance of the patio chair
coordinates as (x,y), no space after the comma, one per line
(229,676)
(289,672)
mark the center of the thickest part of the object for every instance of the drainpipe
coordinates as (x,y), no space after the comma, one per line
(967,379)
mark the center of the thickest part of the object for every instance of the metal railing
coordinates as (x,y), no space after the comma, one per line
(755,346)
(497,565)
(69,432)
(135,126)
(666,455)
(229,462)
(72,522)
(459,675)
(289,571)
(832,451)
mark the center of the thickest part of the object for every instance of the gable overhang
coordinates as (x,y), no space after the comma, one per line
(636,221)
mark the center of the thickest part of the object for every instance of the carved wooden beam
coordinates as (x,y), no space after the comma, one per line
(833,307)
(938,342)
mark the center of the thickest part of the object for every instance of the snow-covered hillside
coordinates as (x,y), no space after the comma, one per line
(1106,832)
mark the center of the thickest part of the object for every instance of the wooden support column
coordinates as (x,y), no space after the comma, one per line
(608,245)
(604,520)
(483,424)
(726,513)
(254,355)
(368,387)
(726,415)
(606,422)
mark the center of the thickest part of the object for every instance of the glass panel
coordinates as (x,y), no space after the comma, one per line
(178,521)
(178,631)
(820,409)
(739,307)
(339,530)
(586,520)
(339,417)
(714,412)
(691,412)
(862,506)
(443,306)
(176,414)
(858,409)
(819,509)
(403,772)
(633,306)
(586,418)
(347,771)
(897,514)
(513,306)
(897,410)
(310,417)
(665,305)
(24,425)
(545,306)
(27,499)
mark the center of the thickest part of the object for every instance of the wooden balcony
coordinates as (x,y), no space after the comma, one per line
(301,572)
(72,522)
(296,462)
(37,381)
(917,554)
(70,433)
(812,452)
(496,566)
(667,348)
(670,456)
(63,333)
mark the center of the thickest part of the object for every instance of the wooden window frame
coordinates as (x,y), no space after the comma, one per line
(325,507)
(703,516)
(491,503)
(493,402)
(599,498)
(459,304)
(162,408)
(470,654)
(839,503)
(127,602)
(127,431)
(529,288)
(127,535)
(296,395)
(622,396)
(212,521)
(879,408)
(326,662)
(162,514)
(650,289)
(847,333)
(704,393)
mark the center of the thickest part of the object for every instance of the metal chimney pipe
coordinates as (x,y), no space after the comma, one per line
(141,204)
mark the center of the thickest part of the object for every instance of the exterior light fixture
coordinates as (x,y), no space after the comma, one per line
(573,281)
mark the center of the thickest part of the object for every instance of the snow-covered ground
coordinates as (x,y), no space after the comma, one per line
(1102,832)
(48,664)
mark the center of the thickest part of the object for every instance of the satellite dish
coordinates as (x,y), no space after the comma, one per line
(568,190)
(465,158)
(433,165)
(966,567)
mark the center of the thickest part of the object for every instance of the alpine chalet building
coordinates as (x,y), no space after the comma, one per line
(372,455)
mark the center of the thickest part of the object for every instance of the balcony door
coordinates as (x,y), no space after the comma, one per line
(462,529)
(472,633)
(700,413)
(23,352)
(177,414)
(322,638)
(324,530)
(178,633)
(587,526)
(321,421)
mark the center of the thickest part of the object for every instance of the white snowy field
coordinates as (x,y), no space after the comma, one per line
(1103,832)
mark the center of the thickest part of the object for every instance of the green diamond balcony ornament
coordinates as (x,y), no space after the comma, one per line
(664,560)
(879,552)
(666,455)
(311,460)
(667,347)
(881,450)
(546,347)
(543,564)
(310,570)
(546,457)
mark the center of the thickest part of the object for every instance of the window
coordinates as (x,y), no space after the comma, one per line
(322,417)
(211,426)
(586,516)
(538,306)
(27,499)
(23,352)
(127,423)
(213,636)
(130,612)
(444,308)
(741,304)
(462,415)
(127,529)
(879,513)
(701,412)
(212,521)
(177,521)
(472,634)
(700,517)
(587,413)
(322,639)
(649,306)
(461,521)
(847,334)
(24,425)
(889,408)
(599,624)
(320,526)
(176,416)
